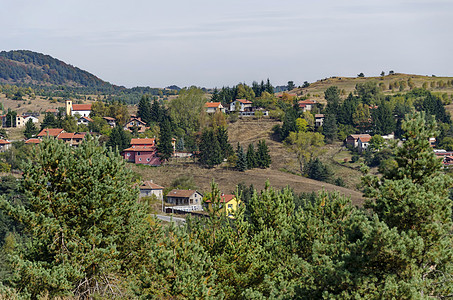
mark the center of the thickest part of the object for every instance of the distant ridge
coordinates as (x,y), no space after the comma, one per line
(28,67)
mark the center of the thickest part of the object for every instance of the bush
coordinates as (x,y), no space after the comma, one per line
(355,158)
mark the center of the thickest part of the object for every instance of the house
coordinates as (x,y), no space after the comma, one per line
(228,205)
(53,111)
(84,121)
(110,121)
(319,120)
(352,139)
(143,142)
(185,200)
(241,105)
(135,122)
(82,110)
(4,145)
(212,107)
(146,155)
(306,105)
(363,142)
(33,141)
(53,132)
(74,139)
(148,188)
(21,120)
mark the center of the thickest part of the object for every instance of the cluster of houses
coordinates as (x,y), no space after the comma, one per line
(244,107)
(183,201)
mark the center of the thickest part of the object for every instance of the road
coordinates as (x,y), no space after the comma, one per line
(171,219)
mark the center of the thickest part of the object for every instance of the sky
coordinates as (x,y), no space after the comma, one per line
(215,43)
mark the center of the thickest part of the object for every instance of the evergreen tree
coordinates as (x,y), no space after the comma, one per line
(10,118)
(241,164)
(118,139)
(164,145)
(49,121)
(180,144)
(262,156)
(251,157)
(83,222)
(210,152)
(269,88)
(225,147)
(329,128)
(157,113)
(289,123)
(144,109)
(383,120)
(30,129)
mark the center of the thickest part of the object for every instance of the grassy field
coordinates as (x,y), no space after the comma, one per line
(316,89)
(281,173)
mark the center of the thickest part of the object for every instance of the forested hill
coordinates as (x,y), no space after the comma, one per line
(28,67)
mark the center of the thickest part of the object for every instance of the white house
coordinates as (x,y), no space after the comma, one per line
(84,121)
(212,107)
(148,188)
(363,142)
(241,105)
(21,120)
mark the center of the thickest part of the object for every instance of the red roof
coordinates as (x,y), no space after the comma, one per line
(141,148)
(244,101)
(146,141)
(306,102)
(51,110)
(181,193)
(4,142)
(148,185)
(365,139)
(224,198)
(88,119)
(212,104)
(81,107)
(33,141)
(109,118)
(66,135)
(50,132)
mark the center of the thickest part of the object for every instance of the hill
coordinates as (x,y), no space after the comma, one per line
(390,84)
(28,67)
(280,174)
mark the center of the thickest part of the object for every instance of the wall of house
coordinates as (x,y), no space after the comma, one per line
(148,193)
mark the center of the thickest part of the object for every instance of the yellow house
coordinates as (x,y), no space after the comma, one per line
(228,205)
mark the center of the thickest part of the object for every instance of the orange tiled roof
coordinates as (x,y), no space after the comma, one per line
(50,132)
(212,104)
(4,142)
(141,148)
(224,198)
(181,193)
(33,141)
(145,141)
(66,135)
(79,107)
(148,185)
(244,101)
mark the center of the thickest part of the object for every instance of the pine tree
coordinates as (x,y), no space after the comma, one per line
(157,112)
(329,128)
(164,145)
(144,109)
(118,139)
(30,129)
(262,156)
(210,152)
(225,147)
(241,164)
(251,157)
(83,223)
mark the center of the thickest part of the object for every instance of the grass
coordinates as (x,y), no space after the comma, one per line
(246,131)
(316,89)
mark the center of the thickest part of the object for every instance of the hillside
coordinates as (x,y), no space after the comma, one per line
(347,84)
(279,174)
(28,67)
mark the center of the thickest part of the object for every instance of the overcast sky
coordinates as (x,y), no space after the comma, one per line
(215,42)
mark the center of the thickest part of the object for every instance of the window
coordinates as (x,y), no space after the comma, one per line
(138,153)
(230,206)
(140,159)
(148,159)
(128,154)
